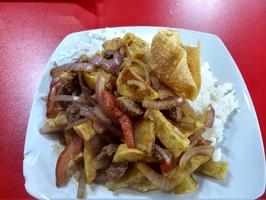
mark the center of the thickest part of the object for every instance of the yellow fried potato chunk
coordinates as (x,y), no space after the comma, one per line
(123,153)
(59,121)
(132,175)
(168,134)
(91,77)
(179,174)
(189,184)
(144,135)
(132,91)
(113,44)
(85,130)
(136,47)
(144,185)
(214,169)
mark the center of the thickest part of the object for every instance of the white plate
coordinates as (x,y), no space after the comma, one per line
(242,145)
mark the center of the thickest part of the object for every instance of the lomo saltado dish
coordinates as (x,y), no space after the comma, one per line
(125,119)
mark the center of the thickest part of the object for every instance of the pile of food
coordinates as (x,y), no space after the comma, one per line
(125,117)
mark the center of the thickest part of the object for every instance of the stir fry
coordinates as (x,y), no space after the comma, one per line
(125,119)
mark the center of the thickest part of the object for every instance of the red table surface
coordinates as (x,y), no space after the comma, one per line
(30,31)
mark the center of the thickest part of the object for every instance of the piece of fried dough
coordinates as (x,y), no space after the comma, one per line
(193,59)
(169,62)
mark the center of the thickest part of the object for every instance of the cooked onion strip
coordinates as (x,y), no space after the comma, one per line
(139,84)
(189,111)
(49,130)
(88,113)
(186,126)
(164,183)
(167,156)
(77,122)
(209,116)
(109,65)
(69,98)
(165,93)
(155,82)
(163,104)
(84,90)
(77,67)
(99,114)
(195,136)
(82,185)
(205,142)
(144,66)
(99,90)
(194,151)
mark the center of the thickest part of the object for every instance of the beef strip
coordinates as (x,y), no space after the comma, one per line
(104,158)
(116,170)
(107,151)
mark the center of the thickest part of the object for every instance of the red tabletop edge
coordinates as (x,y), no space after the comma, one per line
(30,31)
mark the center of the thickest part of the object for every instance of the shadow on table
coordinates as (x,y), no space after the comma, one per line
(89,5)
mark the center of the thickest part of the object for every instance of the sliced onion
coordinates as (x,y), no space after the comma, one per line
(205,142)
(164,183)
(69,98)
(99,89)
(116,61)
(155,82)
(84,90)
(49,130)
(186,126)
(97,60)
(144,66)
(189,111)
(72,168)
(99,114)
(75,123)
(88,113)
(139,84)
(167,156)
(109,65)
(82,185)
(195,136)
(176,114)
(209,117)
(101,164)
(98,128)
(163,104)
(165,93)
(77,67)
(194,151)
(197,133)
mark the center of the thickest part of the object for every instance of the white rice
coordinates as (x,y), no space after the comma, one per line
(220,96)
